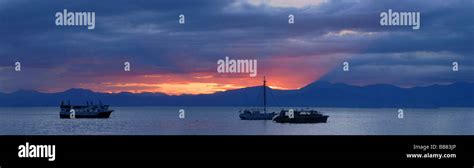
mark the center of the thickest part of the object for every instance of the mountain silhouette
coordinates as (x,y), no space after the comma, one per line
(316,94)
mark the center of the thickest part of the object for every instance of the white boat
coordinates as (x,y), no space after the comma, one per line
(256,113)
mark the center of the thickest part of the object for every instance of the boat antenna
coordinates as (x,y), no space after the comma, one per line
(264,95)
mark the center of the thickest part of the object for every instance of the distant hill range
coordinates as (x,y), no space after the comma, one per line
(317,94)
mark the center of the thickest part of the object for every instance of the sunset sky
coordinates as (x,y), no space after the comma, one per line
(181,59)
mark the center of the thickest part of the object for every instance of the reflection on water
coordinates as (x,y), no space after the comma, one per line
(225,121)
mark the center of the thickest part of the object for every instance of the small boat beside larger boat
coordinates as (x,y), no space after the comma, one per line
(255,113)
(285,116)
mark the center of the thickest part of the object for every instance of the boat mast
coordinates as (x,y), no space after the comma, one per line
(264,95)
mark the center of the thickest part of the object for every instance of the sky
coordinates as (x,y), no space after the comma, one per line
(176,59)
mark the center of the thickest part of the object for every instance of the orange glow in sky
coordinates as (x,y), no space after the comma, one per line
(280,74)
(174,88)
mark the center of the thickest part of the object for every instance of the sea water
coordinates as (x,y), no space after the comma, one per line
(226,121)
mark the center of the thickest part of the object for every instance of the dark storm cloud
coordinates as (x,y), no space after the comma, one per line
(147,33)
(404,69)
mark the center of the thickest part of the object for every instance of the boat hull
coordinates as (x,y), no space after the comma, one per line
(105,114)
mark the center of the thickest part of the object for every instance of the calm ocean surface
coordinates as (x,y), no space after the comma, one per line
(225,121)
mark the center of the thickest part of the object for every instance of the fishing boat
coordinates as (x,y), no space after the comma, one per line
(300,116)
(89,110)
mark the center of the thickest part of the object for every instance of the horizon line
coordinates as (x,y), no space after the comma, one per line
(186,94)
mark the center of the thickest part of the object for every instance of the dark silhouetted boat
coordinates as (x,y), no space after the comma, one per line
(88,111)
(256,113)
(300,116)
